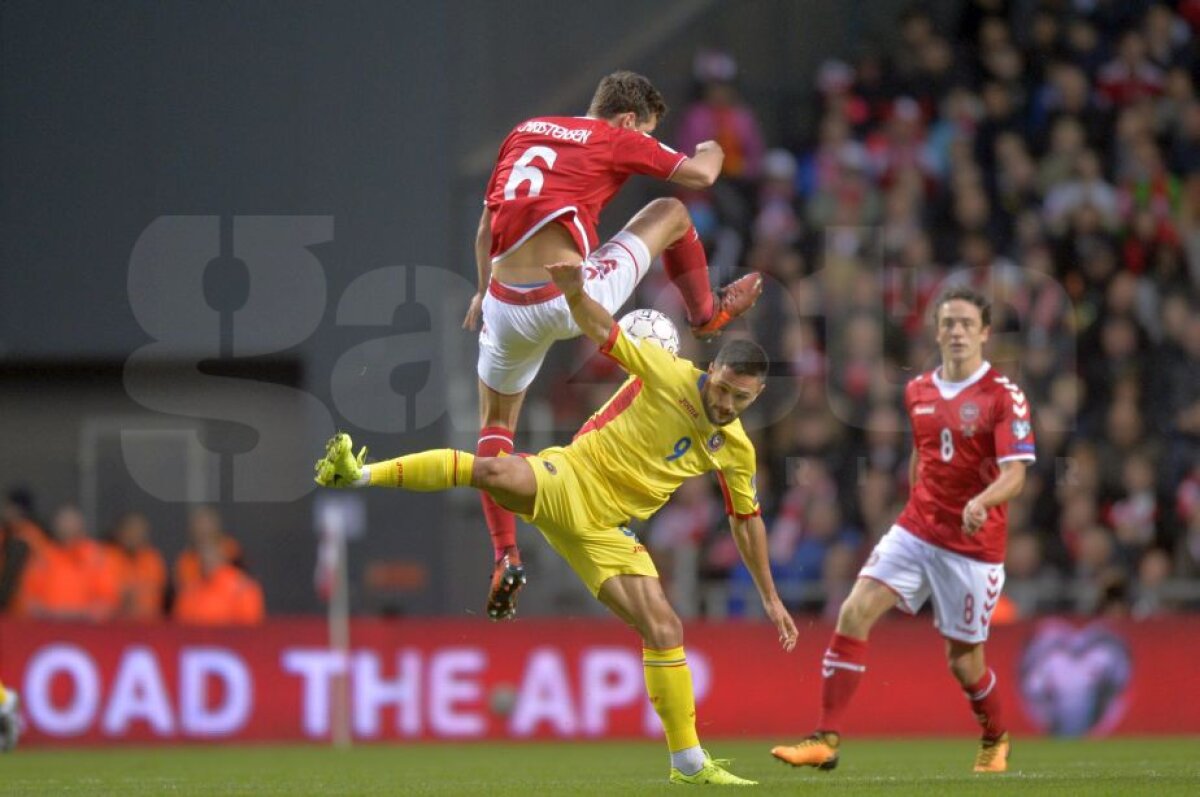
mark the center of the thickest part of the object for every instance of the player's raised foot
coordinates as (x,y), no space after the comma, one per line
(508,576)
(730,302)
(819,750)
(10,721)
(713,773)
(993,754)
(339,467)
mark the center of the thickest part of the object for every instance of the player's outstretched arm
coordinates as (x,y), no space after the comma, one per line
(750,534)
(702,169)
(590,316)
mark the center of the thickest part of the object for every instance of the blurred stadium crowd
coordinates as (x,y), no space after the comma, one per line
(1047,153)
(59,572)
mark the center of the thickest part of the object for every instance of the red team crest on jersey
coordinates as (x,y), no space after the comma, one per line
(962,432)
(968,413)
(564,170)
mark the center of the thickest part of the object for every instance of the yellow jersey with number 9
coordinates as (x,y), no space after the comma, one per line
(652,435)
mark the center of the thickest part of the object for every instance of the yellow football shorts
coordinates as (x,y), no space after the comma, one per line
(594,550)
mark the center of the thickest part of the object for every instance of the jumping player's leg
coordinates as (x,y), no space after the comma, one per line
(498,413)
(512,345)
(640,602)
(498,421)
(665,227)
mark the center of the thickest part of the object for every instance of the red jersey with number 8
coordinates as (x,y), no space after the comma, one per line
(961,432)
(564,170)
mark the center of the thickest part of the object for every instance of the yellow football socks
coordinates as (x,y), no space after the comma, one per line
(426,471)
(669,684)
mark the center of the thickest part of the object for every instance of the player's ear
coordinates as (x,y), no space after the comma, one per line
(627,120)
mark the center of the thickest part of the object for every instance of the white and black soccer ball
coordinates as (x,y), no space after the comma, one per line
(651,325)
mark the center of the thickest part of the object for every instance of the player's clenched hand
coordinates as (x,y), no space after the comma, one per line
(783,623)
(567,276)
(974,516)
(709,146)
(474,312)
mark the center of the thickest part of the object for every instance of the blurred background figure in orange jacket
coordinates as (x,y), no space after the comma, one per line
(204,527)
(68,578)
(221,594)
(138,568)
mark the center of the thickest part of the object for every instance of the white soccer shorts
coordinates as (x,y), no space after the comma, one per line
(519,326)
(964,590)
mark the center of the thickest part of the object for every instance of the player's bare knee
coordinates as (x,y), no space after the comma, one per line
(854,618)
(662,631)
(677,213)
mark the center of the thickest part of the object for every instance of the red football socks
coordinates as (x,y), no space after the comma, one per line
(842,669)
(687,266)
(496,441)
(986,705)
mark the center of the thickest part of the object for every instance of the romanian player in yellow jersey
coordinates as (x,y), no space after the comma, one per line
(667,423)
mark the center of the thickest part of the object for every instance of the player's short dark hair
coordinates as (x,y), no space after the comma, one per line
(625,91)
(744,358)
(966,295)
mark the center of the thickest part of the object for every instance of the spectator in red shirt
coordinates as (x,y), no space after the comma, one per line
(1131,76)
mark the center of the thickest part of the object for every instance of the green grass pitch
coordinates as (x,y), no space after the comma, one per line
(909,767)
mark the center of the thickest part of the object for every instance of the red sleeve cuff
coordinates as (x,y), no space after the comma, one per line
(675,168)
(606,347)
(755,513)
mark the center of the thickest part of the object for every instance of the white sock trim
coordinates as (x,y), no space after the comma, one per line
(844,665)
(689,760)
(364,478)
(985,691)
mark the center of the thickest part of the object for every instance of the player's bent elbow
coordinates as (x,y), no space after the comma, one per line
(488,472)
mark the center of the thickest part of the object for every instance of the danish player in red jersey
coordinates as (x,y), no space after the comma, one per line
(972,440)
(552,177)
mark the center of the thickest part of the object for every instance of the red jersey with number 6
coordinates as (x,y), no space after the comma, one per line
(564,170)
(961,432)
